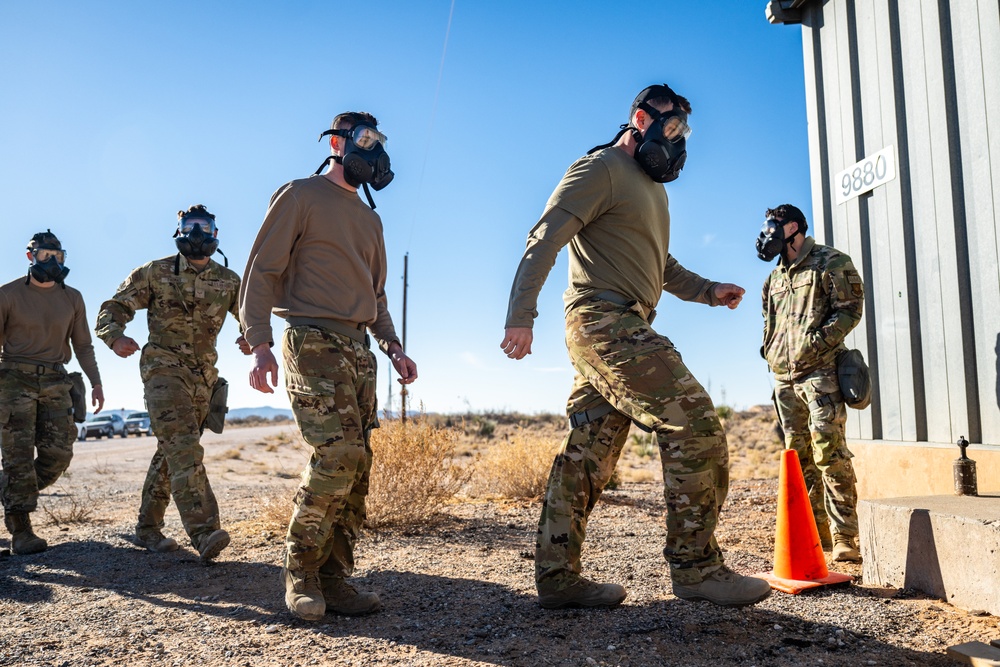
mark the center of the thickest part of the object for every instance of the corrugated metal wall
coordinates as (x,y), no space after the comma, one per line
(921,76)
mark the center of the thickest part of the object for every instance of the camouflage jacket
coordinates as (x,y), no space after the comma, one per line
(809,308)
(185,311)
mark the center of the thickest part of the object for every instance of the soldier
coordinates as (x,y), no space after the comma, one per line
(612,210)
(38,321)
(812,300)
(187,296)
(319,263)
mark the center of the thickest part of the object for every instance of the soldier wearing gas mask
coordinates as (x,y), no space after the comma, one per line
(40,317)
(187,297)
(811,301)
(319,263)
(611,208)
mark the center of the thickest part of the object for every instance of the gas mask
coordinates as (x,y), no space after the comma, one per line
(771,241)
(662,151)
(364,160)
(48,258)
(195,237)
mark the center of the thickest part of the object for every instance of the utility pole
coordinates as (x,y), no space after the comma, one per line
(403,392)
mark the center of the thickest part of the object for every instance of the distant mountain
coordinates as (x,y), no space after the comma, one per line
(265,412)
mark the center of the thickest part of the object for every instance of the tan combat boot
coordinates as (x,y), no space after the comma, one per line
(725,588)
(212,545)
(582,593)
(23,540)
(825,538)
(303,595)
(844,549)
(154,540)
(342,598)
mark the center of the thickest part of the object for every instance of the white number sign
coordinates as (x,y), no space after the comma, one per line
(871,172)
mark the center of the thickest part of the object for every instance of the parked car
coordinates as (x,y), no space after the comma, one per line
(138,423)
(104,426)
(81,431)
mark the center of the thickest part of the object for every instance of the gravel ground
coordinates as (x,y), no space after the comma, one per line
(457,593)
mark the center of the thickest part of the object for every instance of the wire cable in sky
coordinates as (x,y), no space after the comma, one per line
(430,127)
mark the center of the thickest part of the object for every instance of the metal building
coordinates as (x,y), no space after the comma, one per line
(903,103)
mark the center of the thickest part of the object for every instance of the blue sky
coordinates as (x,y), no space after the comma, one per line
(115,115)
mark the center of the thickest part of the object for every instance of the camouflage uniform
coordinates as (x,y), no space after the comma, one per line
(330,380)
(36,413)
(620,360)
(809,308)
(186,308)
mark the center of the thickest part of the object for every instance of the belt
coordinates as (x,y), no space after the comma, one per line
(620,299)
(36,367)
(355,332)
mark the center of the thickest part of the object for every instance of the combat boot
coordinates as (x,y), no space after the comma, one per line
(212,545)
(303,595)
(342,598)
(844,549)
(825,538)
(725,588)
(583,593)
(23,540)
(154,540)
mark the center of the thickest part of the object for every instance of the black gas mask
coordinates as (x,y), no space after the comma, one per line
(48,258)
(662,151)
(195,237)
(364,160)
(771,240)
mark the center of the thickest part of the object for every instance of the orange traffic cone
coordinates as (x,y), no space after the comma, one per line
(798,555)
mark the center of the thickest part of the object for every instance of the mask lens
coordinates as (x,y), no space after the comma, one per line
(676,128)
(366,137)
(44,254)
(770,226)
(188,224)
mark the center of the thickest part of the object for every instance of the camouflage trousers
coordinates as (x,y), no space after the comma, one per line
(812,414)
(177,405)
(620,360)
(330,380)
(36,415)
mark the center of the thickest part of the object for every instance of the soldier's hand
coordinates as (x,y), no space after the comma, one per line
(264,364)
(405,366)
(124,346)
(244,345)
(729,294)
(517,342)
(97,398)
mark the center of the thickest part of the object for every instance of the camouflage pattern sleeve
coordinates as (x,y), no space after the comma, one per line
(234,305)
(118,311)
(765,297)
(846,292)
(687,285)
(554,230)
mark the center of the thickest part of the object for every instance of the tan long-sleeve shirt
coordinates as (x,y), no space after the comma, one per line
(39,323)
(617,224)
(319,254)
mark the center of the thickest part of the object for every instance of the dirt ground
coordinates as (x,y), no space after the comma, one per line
(458,592)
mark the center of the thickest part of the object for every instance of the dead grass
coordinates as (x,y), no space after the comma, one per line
(232,454)
(70,509)
(414,472)
(518,467)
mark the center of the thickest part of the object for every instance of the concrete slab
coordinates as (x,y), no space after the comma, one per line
(945,546)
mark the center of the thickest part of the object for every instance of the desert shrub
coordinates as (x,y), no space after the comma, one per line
(643,444)
(70,509)
(414,472)
(724,411)
(518,468)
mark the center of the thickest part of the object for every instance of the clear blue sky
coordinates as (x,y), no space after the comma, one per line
(114,115)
